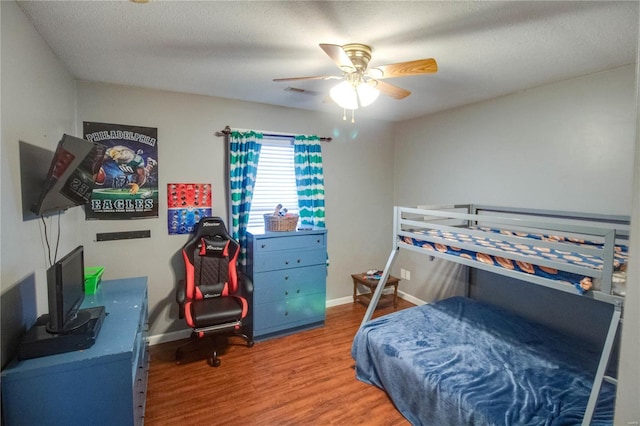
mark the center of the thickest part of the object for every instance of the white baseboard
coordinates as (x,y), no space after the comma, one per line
(401,295)
(410,298)
(184,334)
(169,337)
(341,301)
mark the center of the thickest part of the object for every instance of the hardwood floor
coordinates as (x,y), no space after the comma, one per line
(302,379)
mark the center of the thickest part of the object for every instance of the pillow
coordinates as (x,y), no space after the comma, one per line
(214,247)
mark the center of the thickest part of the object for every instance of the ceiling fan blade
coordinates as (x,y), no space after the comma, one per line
(403,69)
(338,56)
(320,77)
(391,90)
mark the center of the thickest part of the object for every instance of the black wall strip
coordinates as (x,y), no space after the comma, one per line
(110,236)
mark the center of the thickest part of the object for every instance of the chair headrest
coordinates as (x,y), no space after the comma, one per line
(214,247)
(211,226)
(213,229)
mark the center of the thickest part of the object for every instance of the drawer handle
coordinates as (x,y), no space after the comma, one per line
(298,261)
(263,246)
(298,291)
(286,293)
(286,262)
(286,313)
(286,277)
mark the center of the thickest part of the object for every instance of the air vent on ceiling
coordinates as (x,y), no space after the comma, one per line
(302,91)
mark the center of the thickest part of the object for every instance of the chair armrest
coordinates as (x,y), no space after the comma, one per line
(181,297)
(181,292)
(245,284)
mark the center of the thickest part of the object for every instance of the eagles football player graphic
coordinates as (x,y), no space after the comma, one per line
(131,164)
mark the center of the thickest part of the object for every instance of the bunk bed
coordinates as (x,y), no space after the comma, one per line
(460,361)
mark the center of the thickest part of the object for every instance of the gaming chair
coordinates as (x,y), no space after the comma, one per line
(214,298)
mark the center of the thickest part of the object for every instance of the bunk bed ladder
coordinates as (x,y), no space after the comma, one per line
(380,287)
(602,366)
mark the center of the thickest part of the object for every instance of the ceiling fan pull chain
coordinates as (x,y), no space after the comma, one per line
(344,114)
(353,116)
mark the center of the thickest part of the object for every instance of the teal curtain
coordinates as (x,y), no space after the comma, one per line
(244,152)
(309,180)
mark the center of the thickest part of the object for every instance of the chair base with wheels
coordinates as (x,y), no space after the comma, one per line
(213,340)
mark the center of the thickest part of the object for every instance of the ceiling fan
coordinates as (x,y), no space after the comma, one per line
(362,85)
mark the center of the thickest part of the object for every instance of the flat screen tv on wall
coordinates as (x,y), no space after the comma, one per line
(71,176)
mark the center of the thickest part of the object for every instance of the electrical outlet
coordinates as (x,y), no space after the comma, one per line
(407,275)
(403,273)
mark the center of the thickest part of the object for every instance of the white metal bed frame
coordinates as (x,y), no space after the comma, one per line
(608,229)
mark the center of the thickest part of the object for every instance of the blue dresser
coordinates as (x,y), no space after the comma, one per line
(289,273)
(104,384)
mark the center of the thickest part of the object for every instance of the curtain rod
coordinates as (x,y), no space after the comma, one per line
(227,131)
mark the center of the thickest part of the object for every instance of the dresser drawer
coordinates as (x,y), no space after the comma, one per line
(140,389)
(289,242)
(289,283)
(294,312)
(284,259)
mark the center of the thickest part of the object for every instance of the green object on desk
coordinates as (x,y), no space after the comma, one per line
(92,278)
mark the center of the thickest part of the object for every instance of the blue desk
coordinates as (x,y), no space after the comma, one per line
(105,384)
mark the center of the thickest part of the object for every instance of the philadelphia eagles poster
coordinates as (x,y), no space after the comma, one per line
(126,187)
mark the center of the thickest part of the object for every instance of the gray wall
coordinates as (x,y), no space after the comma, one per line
(357,172)
(38,106)
(627,408)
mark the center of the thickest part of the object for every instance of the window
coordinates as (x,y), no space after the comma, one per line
(275,180)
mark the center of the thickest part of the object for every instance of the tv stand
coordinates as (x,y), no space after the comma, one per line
(82,334)
(105,384)
(82,317)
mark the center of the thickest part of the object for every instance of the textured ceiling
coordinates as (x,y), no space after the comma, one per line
(235,49)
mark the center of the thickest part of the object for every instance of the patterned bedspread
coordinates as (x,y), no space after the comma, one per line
(527,248)
(461,362)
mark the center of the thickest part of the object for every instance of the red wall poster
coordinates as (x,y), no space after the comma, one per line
(127,183)
(187,204)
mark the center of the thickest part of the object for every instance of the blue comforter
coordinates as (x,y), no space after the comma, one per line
(458,362)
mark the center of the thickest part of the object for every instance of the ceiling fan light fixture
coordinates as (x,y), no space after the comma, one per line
(345,95)
(353,96)
(367,94)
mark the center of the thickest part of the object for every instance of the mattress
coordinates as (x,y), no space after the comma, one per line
(528,248)
(462,362)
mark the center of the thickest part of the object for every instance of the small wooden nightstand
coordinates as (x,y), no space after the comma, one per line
(361,278)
